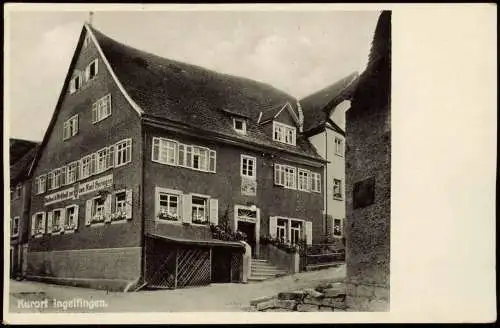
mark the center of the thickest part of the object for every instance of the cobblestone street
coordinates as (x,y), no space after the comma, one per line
(215,297)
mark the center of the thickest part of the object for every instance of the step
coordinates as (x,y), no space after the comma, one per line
(267,269)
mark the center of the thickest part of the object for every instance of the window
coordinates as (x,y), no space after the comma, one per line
(281,230)
(240,125)
(16,193)
(75,83)
(71,218)
(70,127)
(339,146)
(337,227)
(295,231)
(91,70)
(303,180)
(284,175)
(85,167)
(121,202)
(40,184)
(123,151)
(50,180)
(199,210)
(284,133)
(56,220)
(38,226)
(171,152)
(71,173)
(97,210)
(248,168)
(315,182)
(101,109)
(56,182)
(102,159)
(337,189)
(15,226)
(169,207)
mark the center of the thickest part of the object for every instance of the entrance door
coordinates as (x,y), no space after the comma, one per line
(249,229)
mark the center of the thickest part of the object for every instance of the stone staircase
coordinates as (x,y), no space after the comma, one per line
(261,270)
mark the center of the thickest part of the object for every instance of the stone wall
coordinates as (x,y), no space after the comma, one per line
(325,297)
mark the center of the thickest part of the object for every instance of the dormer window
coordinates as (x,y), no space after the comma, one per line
(91,70)
(240,125)
(284,133)
(75,83)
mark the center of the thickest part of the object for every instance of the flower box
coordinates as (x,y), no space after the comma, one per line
(97,219)
(118,216)
(164,215)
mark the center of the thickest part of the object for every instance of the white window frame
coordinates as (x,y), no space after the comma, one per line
(248,159)
(127,150)
(303,180)
(289,176)
(168,151)
(101,109)
(71,167)
(58,226)
(14,224)
(282,229)
(83,166)
(101,154)
(293,230)
(67,217)
(288,228)
(206,198)
(40,184)
(37,232)
(93,210)
(56,182)
(87,70)
(339,147)
(315,182)
(339,187)
(170,192)
(243,130)
(284,133)
(72,83)
(70,127)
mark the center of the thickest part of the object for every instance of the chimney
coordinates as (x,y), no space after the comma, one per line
(301,117)
(91,16)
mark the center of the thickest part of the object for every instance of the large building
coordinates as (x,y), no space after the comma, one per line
(22,153)
(143,153)
(369,179)
(324,124)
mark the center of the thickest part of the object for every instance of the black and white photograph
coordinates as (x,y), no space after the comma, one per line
(174,161)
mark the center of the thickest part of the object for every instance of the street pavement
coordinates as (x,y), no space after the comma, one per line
(29,296)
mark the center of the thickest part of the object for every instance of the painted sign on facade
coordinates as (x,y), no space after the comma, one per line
(60,196)
(248,186)
(94,185)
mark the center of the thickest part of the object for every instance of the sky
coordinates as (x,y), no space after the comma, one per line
(299,52)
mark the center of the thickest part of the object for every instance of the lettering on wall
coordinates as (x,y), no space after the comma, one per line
(80,189)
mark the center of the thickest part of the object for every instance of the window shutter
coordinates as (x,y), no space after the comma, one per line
(308,233)
(128,204)
(110,157)
(128,153)
(181,155)
(92,163)
(50,216)
(33,220)
(212,161)
(76,219)
(107,208)
(214,211)
(94,112)
(88,211)
(96,66)
(273,222)
(44,218)
(72,88)
(62,218)
(186,209)
(189,156)
(156,149)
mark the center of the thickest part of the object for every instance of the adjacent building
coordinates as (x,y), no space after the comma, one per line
(368,170)
(324,124)
(143,154)
(22,153)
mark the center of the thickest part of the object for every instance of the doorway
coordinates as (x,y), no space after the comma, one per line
(249,229)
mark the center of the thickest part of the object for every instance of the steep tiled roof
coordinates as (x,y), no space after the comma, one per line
(195,96)
(316,106)
(19,169)
(18,148)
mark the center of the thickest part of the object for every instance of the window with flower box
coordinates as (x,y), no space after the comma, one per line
(199,210)
(71,218)
(169,207)
(120,206)
(97,210)
(38,224)
(54,225)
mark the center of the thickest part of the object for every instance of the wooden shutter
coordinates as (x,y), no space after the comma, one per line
(128,204)
(76,217)
(87,73)
(212,161)
(214,211)
(308,232)
(273,222)
(94,112)
(107,208)
(62,218)
(33,221)
(186,209)
(88,211)
(44,218)
(96,66)
(50,221)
